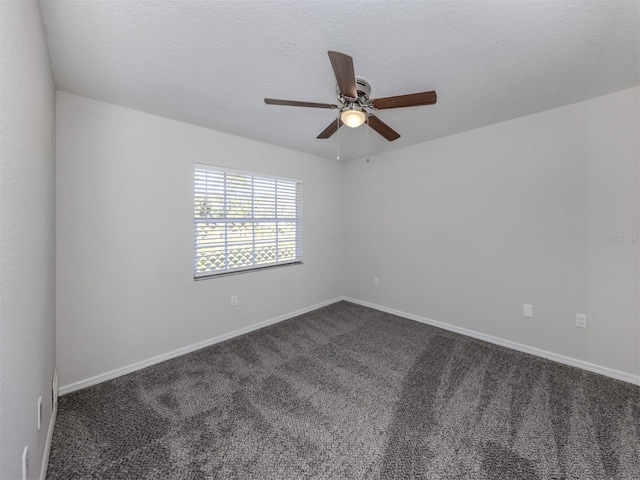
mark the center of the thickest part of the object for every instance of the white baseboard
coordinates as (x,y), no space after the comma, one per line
(609,372)
(188,349)
(47,445)
(574,362)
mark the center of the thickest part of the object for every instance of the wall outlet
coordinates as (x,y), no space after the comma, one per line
(581,320)
(39,412)
(234,300)
(528,310)
(25,464)
(376,280)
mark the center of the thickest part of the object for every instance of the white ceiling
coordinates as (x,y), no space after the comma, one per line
(211,63)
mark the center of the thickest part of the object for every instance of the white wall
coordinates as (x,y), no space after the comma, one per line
(125,288)
(27,236)
(467,228)
(488,220)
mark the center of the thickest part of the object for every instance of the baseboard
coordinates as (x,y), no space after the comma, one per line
(188,349)
(609,372)
(574,362)
(47,445)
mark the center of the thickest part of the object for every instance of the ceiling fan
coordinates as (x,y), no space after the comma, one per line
(353,94)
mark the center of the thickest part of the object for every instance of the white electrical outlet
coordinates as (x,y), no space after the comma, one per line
(234,300)
(25,464)
(376,280)
(581,320)
(39,412)
(528,310)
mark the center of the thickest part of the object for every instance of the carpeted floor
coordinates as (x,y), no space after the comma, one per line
(346,392)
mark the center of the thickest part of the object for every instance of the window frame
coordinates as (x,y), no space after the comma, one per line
(297,260)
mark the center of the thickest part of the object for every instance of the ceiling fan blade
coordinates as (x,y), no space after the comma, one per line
(294,103)
(331,129)
(382,128)
(410,100)
(345,75)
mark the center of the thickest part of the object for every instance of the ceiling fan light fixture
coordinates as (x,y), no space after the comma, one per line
(353,118)
(353,95)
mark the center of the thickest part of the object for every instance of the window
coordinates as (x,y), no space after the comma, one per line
(244,221)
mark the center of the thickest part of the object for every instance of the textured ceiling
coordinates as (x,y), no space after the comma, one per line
(211,63)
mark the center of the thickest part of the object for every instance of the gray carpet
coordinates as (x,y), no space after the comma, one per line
(346,392)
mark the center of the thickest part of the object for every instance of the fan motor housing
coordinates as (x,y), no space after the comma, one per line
(364,90)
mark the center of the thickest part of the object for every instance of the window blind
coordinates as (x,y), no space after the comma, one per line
(244,221)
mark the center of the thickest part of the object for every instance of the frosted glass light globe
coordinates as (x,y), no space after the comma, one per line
(353,118)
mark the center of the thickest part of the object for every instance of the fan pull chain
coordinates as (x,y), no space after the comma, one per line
(368,128)
(338,123)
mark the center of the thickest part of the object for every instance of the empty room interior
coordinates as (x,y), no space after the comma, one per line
(326,240)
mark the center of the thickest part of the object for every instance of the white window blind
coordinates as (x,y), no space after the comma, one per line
(244,221)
